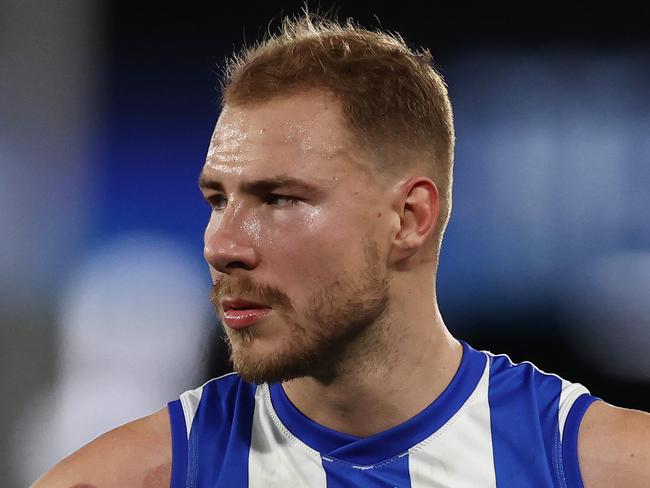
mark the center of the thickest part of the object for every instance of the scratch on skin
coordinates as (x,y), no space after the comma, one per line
(154,478)
(158,477)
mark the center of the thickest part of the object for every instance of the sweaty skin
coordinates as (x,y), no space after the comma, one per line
(334,241)
(409,348)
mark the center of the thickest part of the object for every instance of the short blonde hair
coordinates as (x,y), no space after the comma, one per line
(394,101)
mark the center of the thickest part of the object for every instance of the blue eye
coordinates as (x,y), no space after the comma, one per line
(282,200)
(217,202)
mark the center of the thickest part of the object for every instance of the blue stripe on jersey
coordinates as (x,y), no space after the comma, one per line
(392,474)
(392,442)
(524,405)
(570,440)
(221,434)
(179,444)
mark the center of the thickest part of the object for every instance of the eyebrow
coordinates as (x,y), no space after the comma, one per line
(263,186)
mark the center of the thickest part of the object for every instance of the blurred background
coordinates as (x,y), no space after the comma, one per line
(106,109)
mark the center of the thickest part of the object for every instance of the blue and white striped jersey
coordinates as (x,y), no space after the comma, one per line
(496,424)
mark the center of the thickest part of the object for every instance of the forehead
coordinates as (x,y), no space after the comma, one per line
(298,134)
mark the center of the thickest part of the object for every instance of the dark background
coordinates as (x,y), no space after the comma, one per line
(109,112)
(167,62)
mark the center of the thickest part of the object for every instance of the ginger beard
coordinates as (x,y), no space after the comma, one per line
(341,312)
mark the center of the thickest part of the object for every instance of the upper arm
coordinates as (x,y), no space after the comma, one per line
(135,454)
(614,447)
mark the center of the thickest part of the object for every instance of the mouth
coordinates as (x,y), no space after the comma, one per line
(240,304)
(239,313)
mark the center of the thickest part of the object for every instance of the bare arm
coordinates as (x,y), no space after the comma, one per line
(136,454)
(614,447)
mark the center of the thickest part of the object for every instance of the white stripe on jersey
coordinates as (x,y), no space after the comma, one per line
(570,392)
(190,402)
(276,457)
(459,454)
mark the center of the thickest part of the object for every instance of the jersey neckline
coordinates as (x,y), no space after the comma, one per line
(394,441)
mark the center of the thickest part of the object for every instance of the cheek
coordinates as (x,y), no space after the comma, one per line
(301,233)
(315,244)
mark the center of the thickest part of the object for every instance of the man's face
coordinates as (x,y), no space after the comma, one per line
(297,237)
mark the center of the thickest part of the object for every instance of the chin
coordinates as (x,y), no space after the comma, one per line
(263,372)
(268,366)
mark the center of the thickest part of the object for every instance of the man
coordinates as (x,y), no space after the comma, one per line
(329,174)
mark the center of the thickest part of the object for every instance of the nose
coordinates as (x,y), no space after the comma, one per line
(229,243)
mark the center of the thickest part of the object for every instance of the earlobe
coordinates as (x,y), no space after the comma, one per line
(418,203)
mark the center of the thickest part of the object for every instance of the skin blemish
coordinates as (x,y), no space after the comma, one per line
(158,476)
(379,215)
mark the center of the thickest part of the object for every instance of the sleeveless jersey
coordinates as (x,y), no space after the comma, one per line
(497,424)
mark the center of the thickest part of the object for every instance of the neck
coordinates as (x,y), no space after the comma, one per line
(385,378)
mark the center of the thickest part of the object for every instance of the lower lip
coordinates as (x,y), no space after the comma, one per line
(239,319)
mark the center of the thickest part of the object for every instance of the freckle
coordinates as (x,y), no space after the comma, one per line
(379,214)
(356,192)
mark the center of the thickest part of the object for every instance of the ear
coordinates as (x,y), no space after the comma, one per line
(417,202)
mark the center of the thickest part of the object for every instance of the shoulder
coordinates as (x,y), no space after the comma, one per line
(209,422)
(614,447)
(552,394)
(135,454)
(141,452)
(215,400)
